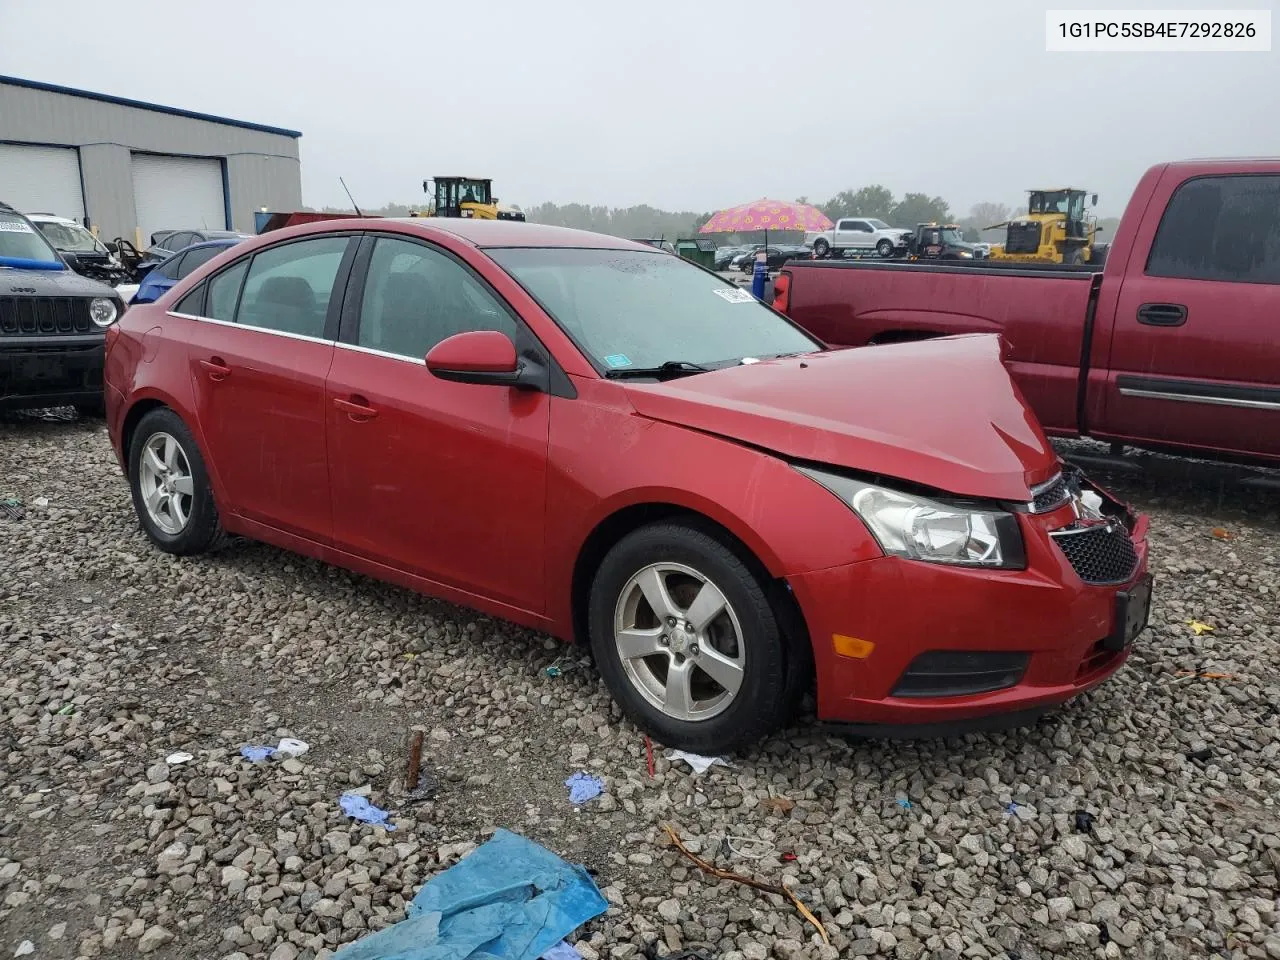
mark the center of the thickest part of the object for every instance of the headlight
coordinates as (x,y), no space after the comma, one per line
(102,311)
(918,528)
(963,254)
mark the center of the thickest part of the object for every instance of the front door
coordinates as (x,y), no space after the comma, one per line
(258,359)
(1195,356)
(443,480)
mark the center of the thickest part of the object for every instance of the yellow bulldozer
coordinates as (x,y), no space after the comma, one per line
(468,197)
(1055,229)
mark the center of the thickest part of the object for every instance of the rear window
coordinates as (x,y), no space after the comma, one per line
(1220,228)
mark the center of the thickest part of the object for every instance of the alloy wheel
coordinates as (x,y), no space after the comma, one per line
(164,476)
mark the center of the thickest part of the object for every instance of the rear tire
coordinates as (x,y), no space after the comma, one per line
(885,248)
(170,485)
(821,249)
(656,663)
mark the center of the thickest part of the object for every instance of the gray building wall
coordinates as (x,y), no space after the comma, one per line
(262,168)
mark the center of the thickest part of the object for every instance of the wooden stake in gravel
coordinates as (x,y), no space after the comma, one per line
(415,761)
(748,881)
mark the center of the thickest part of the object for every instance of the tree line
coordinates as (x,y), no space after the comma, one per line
(875,201)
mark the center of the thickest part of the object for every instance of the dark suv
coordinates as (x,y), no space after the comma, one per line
(52,323)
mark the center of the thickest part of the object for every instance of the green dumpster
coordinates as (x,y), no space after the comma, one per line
(701,250)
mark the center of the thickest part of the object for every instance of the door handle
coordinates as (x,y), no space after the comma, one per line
(1162,314)
(216,368)
(357,408)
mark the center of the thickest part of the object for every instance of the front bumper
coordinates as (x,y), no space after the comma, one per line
(900,609)
(50,371)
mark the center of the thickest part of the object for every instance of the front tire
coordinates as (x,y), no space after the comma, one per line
(885,248)
(687,641)
(171,491)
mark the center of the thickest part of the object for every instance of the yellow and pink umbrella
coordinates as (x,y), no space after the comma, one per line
(767,215)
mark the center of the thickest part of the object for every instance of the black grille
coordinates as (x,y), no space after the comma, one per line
(1101,554)
(955,673)
(37,316)
(1051,495)
(1023,238)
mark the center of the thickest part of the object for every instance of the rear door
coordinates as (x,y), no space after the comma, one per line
(1195,354)
(259,357)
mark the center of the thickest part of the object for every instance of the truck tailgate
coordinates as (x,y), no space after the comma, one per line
(1040,313)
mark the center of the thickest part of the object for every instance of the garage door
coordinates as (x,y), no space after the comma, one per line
(177,193)
(41,180)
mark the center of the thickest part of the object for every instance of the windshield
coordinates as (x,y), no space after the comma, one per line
(1055,202)
(952,236)
(20,241)
(879,224)
(71,237)
(636,309)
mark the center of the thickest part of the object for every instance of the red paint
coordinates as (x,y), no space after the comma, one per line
(1228,342)
(485,494)
(478,351)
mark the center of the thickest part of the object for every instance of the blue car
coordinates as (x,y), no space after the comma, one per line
(167,273)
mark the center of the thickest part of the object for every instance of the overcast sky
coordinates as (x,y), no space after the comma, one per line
(682,105)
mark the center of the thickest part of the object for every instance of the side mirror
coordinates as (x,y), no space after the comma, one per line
(72,261)
(477,356)
(112,247)
(1094,201)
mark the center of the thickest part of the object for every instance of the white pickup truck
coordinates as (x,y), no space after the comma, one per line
(859,233)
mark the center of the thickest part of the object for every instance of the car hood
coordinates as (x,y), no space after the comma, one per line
(49,283)
(943,413)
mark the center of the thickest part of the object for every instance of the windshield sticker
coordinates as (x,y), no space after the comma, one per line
(616,360)
(14,226)
(734,294)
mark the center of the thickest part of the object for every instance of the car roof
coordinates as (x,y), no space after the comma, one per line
(51,218)
(514,233)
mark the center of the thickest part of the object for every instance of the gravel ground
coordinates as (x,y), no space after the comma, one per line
(115,655)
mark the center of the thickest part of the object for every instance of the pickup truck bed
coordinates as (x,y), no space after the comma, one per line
(1174,345)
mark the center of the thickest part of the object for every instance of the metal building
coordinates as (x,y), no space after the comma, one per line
(130,168)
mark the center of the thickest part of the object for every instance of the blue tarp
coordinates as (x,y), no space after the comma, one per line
(509,900)
(24,263)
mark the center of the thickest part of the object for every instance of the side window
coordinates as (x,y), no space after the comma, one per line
(289,286)
(862,226)
(176,241)
(1220,228)
(193,303)
(846,225)
(224,289)
(414,297)
(170,268)
(193,260)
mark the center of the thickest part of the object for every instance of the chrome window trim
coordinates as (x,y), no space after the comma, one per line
(381,353)
(249,326)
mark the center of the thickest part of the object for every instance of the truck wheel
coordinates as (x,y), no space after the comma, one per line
(1073,257)
(171,491)
(687,641)
(885,248)
(821,248)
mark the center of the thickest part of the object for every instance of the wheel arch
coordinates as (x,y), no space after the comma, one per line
(615,526)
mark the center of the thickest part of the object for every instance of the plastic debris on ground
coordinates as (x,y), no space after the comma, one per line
(699,764)
(1011,808)
(648,756)
(67,710)
(562,951)
(1199,628)
(290,747)
(25,948)
(257,754)
(584,787)
(359,808)
(12,509)
(509,899)
(40,502)
(179,758)
(558,667)
(1084,821)
(1184,675)
(904,803)
(1222,533)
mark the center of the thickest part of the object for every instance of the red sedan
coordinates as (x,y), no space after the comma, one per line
(599,440)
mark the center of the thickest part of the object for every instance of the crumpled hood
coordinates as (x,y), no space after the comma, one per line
(943,413)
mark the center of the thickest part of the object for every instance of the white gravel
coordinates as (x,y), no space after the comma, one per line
(114,656)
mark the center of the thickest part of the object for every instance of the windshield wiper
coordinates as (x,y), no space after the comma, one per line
(671,368)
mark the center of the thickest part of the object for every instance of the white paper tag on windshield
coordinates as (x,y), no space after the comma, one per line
(734,295)
(14,226)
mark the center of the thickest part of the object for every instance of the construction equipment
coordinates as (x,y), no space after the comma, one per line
(1055,229)
(467,197)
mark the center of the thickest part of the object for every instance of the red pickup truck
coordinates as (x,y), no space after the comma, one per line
(1174,345)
